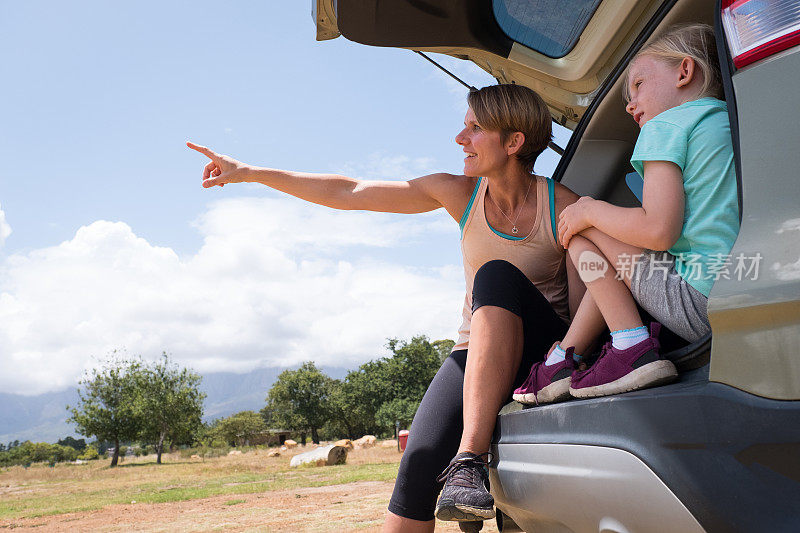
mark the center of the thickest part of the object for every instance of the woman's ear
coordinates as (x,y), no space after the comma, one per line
(514,142)
(686,71)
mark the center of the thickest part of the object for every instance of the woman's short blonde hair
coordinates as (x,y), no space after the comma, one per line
(509,108)
(687,40)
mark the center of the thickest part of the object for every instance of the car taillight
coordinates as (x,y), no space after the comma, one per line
(759,28)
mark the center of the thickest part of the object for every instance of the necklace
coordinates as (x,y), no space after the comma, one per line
(514,229)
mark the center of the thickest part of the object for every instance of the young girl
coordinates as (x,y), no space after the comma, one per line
(663,254)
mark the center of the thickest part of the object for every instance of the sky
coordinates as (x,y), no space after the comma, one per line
(109,242)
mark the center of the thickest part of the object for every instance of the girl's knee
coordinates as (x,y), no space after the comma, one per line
(577,245)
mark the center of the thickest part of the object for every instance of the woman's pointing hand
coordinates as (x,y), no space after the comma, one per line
(221,169)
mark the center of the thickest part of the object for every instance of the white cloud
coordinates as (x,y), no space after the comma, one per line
(788,271)
(276,282)
(5,229)
(789,225)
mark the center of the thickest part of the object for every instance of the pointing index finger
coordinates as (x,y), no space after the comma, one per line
(202,149)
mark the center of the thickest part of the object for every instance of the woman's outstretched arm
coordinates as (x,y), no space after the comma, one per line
(340,192)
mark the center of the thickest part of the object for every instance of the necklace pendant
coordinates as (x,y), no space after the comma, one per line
(514,230)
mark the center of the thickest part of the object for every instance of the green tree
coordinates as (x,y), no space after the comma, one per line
(107,405)
(383,391)
(412,367)
(78,444)
(358,398)
(400,410)
(299,399)
(240,428)
(89,454)
(443,348)
(171,403)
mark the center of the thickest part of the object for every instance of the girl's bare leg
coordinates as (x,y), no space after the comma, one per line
(622,256)
(611,295)
(495,352)
(586,326)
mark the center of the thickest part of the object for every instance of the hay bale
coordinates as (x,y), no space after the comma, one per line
(289,443)
(322,456)
(367,441)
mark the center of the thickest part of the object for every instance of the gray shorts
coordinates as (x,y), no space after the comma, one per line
(662,292)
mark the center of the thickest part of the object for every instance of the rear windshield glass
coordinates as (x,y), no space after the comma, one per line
(550,27)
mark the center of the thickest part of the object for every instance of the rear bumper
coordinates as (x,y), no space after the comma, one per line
(707,454)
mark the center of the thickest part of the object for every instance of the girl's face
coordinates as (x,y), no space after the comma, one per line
(485,149)
(654,87)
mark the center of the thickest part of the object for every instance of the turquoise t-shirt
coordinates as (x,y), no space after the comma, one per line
(696,136)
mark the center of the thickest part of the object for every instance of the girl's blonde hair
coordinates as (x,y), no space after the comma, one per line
(687,40)
(508,108)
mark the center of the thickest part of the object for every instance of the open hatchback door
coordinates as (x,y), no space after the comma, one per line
(562,50)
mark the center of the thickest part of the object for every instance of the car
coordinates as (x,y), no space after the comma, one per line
(719,449)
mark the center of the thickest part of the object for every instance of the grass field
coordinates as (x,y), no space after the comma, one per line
(247,492)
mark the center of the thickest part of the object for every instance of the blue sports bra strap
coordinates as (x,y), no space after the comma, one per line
(551,193)
(465,216)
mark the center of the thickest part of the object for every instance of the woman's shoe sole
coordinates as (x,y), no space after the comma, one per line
(555,392)
(463,513)
(652,374)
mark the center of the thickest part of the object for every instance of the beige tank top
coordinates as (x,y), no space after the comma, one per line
(537,255)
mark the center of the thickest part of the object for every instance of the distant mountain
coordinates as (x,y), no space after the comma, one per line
(37,418)
(43,418)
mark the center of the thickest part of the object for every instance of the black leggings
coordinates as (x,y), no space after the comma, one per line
(436,430)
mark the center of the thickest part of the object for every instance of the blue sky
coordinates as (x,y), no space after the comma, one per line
(107,239)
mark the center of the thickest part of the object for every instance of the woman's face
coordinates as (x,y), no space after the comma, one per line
(485,149)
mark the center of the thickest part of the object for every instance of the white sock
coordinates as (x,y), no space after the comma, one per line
(625,338)
(558,354)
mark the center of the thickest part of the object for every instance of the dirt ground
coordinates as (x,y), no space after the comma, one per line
(355,506)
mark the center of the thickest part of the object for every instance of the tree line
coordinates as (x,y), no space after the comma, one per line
(26,453)
(373,399)
(159,404)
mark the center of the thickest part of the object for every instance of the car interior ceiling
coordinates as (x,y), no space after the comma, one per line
(601,161)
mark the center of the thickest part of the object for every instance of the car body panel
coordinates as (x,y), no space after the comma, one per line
(642,502)
(756,322)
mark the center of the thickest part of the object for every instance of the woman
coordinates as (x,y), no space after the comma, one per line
(516,309)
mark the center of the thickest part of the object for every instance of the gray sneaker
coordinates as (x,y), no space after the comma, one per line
(465,496)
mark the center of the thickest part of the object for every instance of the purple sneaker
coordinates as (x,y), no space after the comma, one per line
(547,384)
(617,371)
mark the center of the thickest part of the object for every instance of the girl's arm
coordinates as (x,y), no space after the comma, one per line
(656,225)
(340,192)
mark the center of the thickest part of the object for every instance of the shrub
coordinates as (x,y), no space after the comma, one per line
(37,452)
(89,454)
